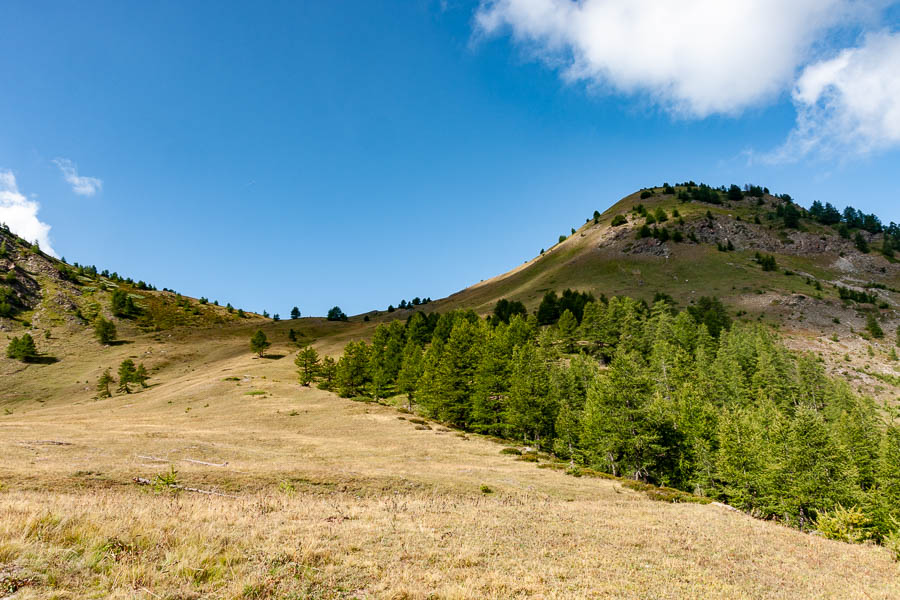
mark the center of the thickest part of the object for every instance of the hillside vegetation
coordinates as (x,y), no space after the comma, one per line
(486,449)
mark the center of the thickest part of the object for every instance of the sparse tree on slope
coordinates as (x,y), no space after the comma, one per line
(259,343)
(103,384)
(104,331)
(307,362)
(22,349)
(127,374)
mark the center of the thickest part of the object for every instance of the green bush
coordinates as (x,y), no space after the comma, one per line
(619,220)
(513,451)
(844,524)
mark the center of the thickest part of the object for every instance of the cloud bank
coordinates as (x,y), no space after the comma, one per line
(81,185)
(848,104)
(697,58)
(20,213)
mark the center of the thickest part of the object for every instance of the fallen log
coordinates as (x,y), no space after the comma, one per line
(190,460)
(203,462)
(175,486)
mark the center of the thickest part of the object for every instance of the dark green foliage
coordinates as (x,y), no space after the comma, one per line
(619,220)
(552,307)
(295,313)
(259,343)
(644,232)
(661,216)
(22,348)
(307,362)
(548,310)
(7,308)
(791,216)
(862,297)
(104,330)
(127,375)
(122,304)
(336,314)
(327,373)
(677,237)
(646,194)
(668,189)
(861,243)
(103,384)
(352,375)
(504,309)
(767,262)
(873,327)
(735,193)
(562,238)
(710,312)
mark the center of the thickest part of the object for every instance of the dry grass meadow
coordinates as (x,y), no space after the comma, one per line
(321,497)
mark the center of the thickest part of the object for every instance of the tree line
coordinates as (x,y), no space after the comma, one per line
(682,398)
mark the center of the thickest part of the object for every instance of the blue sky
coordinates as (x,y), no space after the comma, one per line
(360,153)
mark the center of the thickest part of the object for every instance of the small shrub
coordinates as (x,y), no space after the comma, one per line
(166,481)
(619,220)
(844,524)
(486,489)
(646,194)
(513,451)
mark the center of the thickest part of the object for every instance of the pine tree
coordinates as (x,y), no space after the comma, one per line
(141,376)
(352,375)
(456,372)
(127,373)
(873,327)
(568,326)
(103,384)
(530,414)
(307,362)
(816,473)
(491,383)
(548,311)
(259,343)
(104,331)
(619,435)
(327,372)
(412,364)
(295,313)
(22,349)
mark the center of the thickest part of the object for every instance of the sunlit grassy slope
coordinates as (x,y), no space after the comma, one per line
(320,497)
(329,498)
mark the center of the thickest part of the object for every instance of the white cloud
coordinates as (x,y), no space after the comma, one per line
(849,104)
(20,213)
(81,185)
(693,57)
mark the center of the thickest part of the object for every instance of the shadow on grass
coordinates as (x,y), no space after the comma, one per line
(42,360)
(273,356)
(119,342)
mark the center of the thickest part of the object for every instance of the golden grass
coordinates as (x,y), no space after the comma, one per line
(336,499)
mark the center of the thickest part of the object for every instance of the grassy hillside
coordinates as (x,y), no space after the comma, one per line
(800,297)
(329,498)
(313,496)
